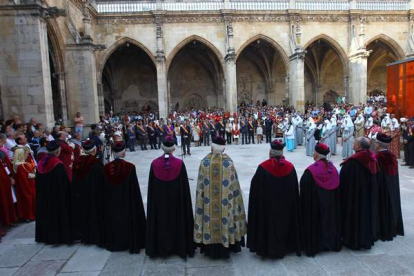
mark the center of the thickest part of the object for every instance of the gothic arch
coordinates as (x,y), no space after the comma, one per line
(183,43)
(395,47)
(335,45)
(114,47)
(195,100)
(56,40)
(272,42)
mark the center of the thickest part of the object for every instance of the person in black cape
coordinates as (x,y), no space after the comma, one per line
(87,196)
(170,218)
(390,220)
(274,221)
(124,209)
(320,202)
(53,225)
(359,197)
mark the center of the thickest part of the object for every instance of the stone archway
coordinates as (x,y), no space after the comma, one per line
(261,72)
(330,96)
(383,51)
(56,66)
(129,79)
(195,101)
(150,106)
(195,66)
(325,67)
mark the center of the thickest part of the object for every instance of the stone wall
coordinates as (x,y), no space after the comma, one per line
(24,66)
(25,74)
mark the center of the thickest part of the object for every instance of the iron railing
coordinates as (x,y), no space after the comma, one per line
(111,6)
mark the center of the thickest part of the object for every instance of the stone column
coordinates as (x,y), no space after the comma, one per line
(230,67)
(24,63)
(358,66)
(231,83)
(160,66)
(64,104)
(358,77)
(116,99)
(101,99)
(297,80)
(81,81)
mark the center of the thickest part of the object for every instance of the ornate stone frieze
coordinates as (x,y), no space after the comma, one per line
(212,18)
(380,18)
(126,20)
(260,18)
(193,19)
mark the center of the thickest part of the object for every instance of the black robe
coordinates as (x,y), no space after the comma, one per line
(390,220)
(359,200)
(274,220)
(321,215)
(124,209)
(53,225)
(87,200)
(170,220)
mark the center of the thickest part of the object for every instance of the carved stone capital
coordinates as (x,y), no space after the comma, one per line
(52,12)
(160,57)
(231,55)
(299,54)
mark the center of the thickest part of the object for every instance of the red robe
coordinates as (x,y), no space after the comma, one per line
(66,156)
(7,211)
(25,192)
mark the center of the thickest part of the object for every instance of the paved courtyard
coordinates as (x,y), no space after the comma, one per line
(20,255)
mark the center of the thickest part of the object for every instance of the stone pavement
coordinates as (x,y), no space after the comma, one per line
(20,255)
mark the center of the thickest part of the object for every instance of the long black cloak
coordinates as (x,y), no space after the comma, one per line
(170,220)
(53,225)
(274,220)
(359,200)
(87,192)
(390,220)
(321,215)
(124,209)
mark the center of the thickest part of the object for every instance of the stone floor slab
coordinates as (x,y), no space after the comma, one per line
(163,270)
(8,271)
(58,252)
(200,260)
(90,273)
(210,271)
(331,261)
(352,272)
(246,264)
(44,268)
(383,265)
(18,255)
(87,258)
(123,264)
(303,266)
(406,261)
(394,247)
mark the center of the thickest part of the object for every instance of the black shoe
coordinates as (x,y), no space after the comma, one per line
(189,154)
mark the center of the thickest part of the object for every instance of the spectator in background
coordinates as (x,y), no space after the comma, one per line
(78,122)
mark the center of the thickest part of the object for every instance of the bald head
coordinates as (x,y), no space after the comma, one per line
(362,143)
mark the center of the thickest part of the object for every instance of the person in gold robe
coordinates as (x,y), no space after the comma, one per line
(220,218)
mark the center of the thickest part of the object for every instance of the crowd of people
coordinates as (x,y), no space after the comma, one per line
(76,192)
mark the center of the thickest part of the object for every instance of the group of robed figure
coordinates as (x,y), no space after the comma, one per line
(324,211)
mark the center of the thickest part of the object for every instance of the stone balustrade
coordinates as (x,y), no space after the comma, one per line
(317,5)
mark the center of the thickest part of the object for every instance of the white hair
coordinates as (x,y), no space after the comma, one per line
(168,149)
(215,148)
(275,153)
(90,151)
(120,154)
